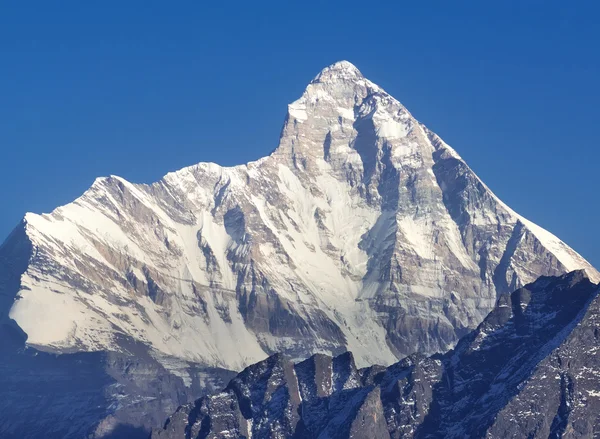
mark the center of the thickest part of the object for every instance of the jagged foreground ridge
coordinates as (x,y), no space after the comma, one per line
(363,231)
(530,370)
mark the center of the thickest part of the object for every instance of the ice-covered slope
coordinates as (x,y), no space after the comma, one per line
(363,231)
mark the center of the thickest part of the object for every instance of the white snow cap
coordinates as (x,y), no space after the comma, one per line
(338,70)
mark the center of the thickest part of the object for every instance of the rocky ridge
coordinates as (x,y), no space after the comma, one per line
(530,370)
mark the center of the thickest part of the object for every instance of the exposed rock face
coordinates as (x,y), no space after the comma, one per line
(530,370)
(362,231)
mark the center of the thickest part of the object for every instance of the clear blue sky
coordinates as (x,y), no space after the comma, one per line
(140,88)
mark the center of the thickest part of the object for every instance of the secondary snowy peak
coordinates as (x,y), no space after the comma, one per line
(362,231)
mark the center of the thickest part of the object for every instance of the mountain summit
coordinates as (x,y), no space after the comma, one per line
(362,231)
(339,70)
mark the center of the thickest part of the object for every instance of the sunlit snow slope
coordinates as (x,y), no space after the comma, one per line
(363,231)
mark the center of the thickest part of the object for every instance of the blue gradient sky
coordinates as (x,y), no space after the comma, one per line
(138,89)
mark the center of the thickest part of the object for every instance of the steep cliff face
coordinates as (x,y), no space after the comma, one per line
(363,231)
(530,370)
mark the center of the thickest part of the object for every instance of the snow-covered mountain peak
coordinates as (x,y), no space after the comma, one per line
(342,109)
(339,70)
(363,230)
